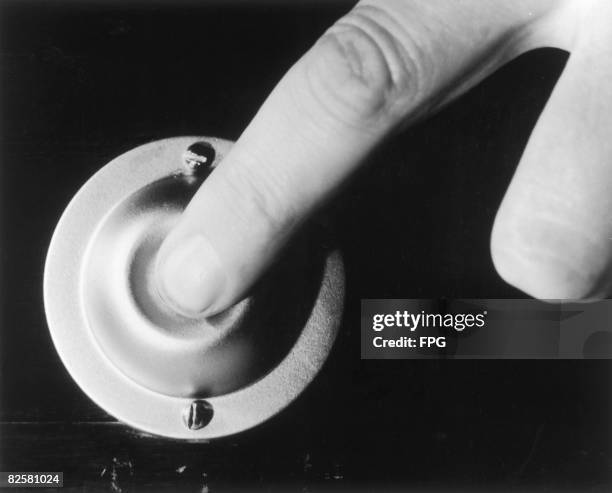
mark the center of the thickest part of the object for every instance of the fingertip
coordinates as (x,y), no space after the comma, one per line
(557,268)
(190,277)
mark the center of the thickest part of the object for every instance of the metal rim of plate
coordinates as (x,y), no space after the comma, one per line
(107,386)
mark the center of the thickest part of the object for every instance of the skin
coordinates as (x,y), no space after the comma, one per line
(385,65)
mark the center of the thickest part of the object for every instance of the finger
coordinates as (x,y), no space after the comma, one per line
(553,233)
(383,63)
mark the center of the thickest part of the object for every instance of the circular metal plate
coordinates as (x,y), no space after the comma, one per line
(113,347)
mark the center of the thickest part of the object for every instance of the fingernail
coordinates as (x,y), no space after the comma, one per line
(190,277)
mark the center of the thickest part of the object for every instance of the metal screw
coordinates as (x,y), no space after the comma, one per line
(197,415)
(197,156)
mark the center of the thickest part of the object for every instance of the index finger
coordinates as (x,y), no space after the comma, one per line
(384,63)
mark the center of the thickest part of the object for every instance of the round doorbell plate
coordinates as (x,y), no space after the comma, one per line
(144,363)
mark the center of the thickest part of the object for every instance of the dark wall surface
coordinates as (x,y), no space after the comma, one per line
(82,83)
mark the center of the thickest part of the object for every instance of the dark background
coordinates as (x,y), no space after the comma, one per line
(82,83)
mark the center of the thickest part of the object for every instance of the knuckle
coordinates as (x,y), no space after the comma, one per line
(363,68)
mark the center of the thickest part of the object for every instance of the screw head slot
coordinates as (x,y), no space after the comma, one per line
(199,155)
(198,414)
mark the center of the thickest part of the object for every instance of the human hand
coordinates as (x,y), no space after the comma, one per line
(386,64)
